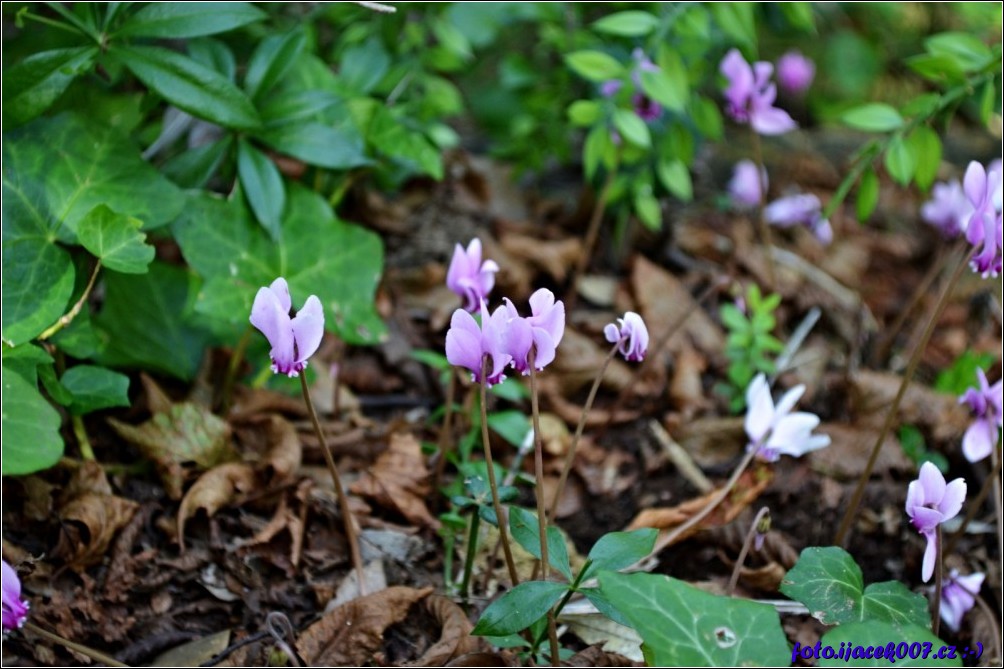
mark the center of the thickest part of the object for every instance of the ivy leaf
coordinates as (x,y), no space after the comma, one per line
(617,550)
(189,86)
(339,262)
(905,639)
(31,440)
(176,20)
(684,626)
(92,388)
(31,86)
(830,584)
(116,240)
(519,608)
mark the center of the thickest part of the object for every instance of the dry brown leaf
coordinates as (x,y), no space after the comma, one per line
(215,489)
(455,637)
(570,412)
(686,388)
(849,450)
(872,394)
(712,441)
(554,434)
(595,656)
(285,452)
(664,301)
(88,524)
(503,658)
(578,360)
(605,472)
(747,489)
(399,480)
(185,433)
(351,634)
(766,578)
(195,652)
(554,257)
(249,403)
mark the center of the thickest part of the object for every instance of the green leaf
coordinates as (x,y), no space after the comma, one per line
(31,86)
(189,85)
(290,106)
(736,20)
(116,240)
(31,440)
(646,207)
(632,128)
(94,388)
(631,23)
(526,530)
(262,185)
(901,639)
(926,147)
(194,167)
(707,117)
(868,194)
(177,20)
(404,145)
(317,144)
(941,69)
(215,55)
(594,65)
(37,285)
(684,626)
(597,150)
(900,161)
(519,608)
(339,262)
(271,61)
(583,113)
(799,14)
(675,176)
(363,66)
(617,550)
(873,117)
(830,584)
(146,324)
(967,51)
(63,167)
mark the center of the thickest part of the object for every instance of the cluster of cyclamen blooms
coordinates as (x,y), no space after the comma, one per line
(972,208)
(747,189)
(293,338)
(15,609)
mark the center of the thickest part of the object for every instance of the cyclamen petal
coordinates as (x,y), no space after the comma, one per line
(631,337)
(747,184)
(795,72)
(775,431)
(958,596)
(750,95)
(931,501)
(293,340)
(467,344)
(469,277)
(546,326)
(15,609)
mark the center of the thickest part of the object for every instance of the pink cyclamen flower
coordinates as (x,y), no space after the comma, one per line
(293,339)
(748,184)
(469,277)
(541,331)
(929,502)
(948,209)
(467,343)
(958,595)
(631,336)
(795,72)
(15,609)
(645,107)
(750,95)
(801,209)
(987,406)
(983,189)
(775,431)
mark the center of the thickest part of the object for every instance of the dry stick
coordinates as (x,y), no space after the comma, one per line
(764,229)
(95,655)
(570,456)
(445,440)
(750,536)
(343,500)
(538,462)
(852,509)
(974,508)
(592,233)
(939,576)
(503,533)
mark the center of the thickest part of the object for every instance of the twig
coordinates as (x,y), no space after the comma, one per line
(95,655)
(343,500)
(679,457)
(755,528)
(445,437)
(852,508)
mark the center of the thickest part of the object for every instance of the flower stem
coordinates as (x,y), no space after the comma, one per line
(764,229)
(343,500)
(538,461)
(852,508)
(939,568)
(750,536)
(445,437)
(95,655)
(472,546)
(83,441)
(570,456)
(68,317)
(236,358)
(503,533)
(592,234)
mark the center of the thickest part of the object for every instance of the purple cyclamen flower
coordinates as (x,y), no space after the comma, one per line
(750,95)
(987,406)
(983,188)
(748,184)
(611,87)
(470,278)
(930,502)
(467,343)
(542,331)
(801,209)
(294,339)
(15,609)
(775,431)
(795,72)
(645,107)
(631,336)
(958,595)
(948,209)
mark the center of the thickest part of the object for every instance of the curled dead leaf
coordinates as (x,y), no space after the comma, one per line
(88,523)
(399,480)
(455,637)
(215,489)
(285,452)
(554,257)
(850,447)
(595,656)
(351,634)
